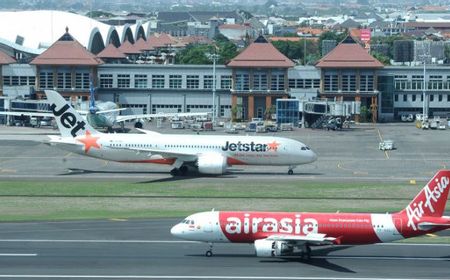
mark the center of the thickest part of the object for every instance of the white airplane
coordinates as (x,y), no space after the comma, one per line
(208,154)
(281,234)
(105,114)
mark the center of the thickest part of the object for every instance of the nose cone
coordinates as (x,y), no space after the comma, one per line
(313,156)
(176,230)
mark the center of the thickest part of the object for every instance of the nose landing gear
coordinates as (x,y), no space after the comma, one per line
(291,169)
(209,253)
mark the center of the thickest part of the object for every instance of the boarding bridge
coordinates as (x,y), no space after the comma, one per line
(318,113)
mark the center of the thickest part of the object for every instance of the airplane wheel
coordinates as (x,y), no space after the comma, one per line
(138,125)
(209,253)
(174,172)
(183,170)
(290,172)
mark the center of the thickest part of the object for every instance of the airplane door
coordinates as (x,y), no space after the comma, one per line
(207,227)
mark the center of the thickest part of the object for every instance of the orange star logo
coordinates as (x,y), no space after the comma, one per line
(89,141)
(273,146)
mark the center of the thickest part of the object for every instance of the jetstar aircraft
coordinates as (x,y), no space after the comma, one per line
(279,234)
(208,154)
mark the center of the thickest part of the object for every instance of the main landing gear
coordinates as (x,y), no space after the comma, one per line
(209,253)
(183,170)
(306,253)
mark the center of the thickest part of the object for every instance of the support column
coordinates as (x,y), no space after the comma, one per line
(251,107)
(374,109)
(357,116)
(233,105)
(268,105)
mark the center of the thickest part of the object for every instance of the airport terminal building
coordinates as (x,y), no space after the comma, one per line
(247,86)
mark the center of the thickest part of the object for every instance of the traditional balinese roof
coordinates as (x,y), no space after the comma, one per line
(141,45)
(348,54)
(111,52)
(129,48)
(6,59)
(261,54)
(66,51)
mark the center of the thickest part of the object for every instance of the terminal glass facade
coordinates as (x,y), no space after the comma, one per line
(288,111)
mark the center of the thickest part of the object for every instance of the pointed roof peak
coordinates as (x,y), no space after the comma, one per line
(66,51)
(349,55)
(260,54)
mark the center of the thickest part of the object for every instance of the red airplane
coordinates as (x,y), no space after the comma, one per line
(280,234)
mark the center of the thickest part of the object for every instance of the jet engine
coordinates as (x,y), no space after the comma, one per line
(211,163)
(269,248)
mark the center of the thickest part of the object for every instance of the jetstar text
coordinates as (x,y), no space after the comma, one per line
(244,147)
(67,119)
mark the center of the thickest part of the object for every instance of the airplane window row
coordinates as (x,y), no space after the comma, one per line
(188,222)
(132,145)
(192,146)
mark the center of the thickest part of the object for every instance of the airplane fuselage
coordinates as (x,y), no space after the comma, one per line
(247,227)
(238,150)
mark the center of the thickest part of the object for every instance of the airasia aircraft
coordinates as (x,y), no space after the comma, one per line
(279,234)
(208,154)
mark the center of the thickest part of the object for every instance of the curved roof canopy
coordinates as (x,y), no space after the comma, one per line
(37,30)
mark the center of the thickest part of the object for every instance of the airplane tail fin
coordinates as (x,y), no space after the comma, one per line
(431,200)
(70,122)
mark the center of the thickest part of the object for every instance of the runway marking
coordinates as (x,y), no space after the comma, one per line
(97,241)
(204,277)
(17,255)
(381,258)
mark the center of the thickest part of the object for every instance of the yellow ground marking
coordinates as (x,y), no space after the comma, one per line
(4,170)
(118,220)
(412,182)
(432,235)
(381,140)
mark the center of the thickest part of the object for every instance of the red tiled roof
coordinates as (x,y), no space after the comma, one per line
(129,48)
(111,52)
(285,39)
(160,40)
(66,52)
(347,55)
(142,45)
(6,59)
(261,55)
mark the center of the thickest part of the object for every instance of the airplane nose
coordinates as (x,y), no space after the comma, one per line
(175,230)
(313,156)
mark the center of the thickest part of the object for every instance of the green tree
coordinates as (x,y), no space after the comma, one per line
(382,58)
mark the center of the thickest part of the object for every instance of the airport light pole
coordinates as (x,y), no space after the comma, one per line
(214,58)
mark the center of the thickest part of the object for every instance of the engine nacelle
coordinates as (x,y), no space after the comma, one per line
(212,163)
(269,248)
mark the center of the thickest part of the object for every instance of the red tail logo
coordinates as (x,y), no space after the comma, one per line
(430,201)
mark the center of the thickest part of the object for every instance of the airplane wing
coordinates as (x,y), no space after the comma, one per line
(110,111)
(28,114)
(160,115)
(314,239)
(185,157)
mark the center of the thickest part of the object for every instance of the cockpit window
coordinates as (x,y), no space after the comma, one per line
(303,148)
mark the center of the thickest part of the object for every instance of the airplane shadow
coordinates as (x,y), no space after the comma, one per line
(321,260)
(189,176)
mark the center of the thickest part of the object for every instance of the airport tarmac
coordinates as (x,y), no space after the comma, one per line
(342,155)
(143,249)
